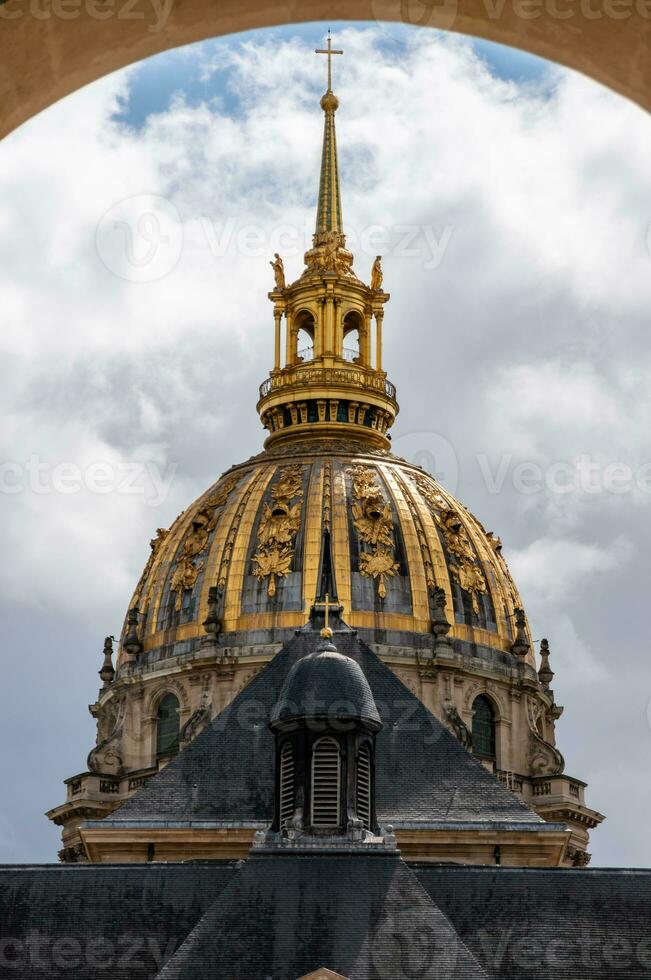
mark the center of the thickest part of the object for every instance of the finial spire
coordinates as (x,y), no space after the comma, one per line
(545,674)
(330,385)
(107,671)
(329,51)
(520,646)
(328,217)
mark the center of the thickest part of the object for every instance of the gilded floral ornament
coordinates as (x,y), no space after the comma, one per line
(279,525)
(373,522)
(380,565)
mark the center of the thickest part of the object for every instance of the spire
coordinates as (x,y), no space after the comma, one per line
(330,383)
(328,215)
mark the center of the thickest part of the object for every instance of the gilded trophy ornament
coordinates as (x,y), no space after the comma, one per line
(190,564)
(374,524)
(279,525)
(154,544)
(463,562)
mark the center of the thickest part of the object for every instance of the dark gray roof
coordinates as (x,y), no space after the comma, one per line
(90,921)
(424,776)
(284,916)
(535,923)
(326,684)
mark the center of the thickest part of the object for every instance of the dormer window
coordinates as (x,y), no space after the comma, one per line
(325,770)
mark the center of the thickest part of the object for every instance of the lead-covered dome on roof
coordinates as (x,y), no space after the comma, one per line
(326,684)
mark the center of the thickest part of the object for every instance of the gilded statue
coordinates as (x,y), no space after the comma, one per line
(376,274)
(279,271)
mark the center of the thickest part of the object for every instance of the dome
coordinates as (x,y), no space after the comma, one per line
(247,558)
(256,538)
(326,684)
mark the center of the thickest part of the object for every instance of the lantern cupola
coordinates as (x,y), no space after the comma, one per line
(327,378)
(325,722)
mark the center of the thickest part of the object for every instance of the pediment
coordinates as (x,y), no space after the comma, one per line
(323,974)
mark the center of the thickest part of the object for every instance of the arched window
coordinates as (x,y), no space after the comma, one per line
(286,784)
(305,329)
(352,337)
(483,728)
(167,733)
(364,789)
(326,783)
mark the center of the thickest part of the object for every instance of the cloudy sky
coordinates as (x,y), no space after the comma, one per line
(510,200)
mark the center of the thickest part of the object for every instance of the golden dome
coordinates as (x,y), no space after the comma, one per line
(256,537)
(326,507)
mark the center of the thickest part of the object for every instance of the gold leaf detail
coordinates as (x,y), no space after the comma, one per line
(379,565)
(196,540)
(373,522)
(463,561)
(279,525)
(222,492)
(272,565)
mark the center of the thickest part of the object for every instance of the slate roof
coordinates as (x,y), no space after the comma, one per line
(362,916)
(280,917)
(90,921)
(423,775)
(535,923)
(326,685)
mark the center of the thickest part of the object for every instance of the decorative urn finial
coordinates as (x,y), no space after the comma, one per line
(545,674)
(132,644)
(520,646)
(107,671)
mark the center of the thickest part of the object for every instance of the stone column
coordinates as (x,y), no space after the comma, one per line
(277,317)
(290,352)
(379,316)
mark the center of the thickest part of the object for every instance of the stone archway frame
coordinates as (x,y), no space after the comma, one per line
(503,721)
(50,48)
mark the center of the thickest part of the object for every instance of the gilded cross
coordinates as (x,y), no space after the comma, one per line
(329,51)
(327,605)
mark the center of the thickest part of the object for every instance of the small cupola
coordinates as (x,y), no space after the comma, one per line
(325,722)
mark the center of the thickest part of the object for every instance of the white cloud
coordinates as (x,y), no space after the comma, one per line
(554,569)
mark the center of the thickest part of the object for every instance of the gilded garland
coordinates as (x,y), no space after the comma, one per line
(374,524)
(279,525)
